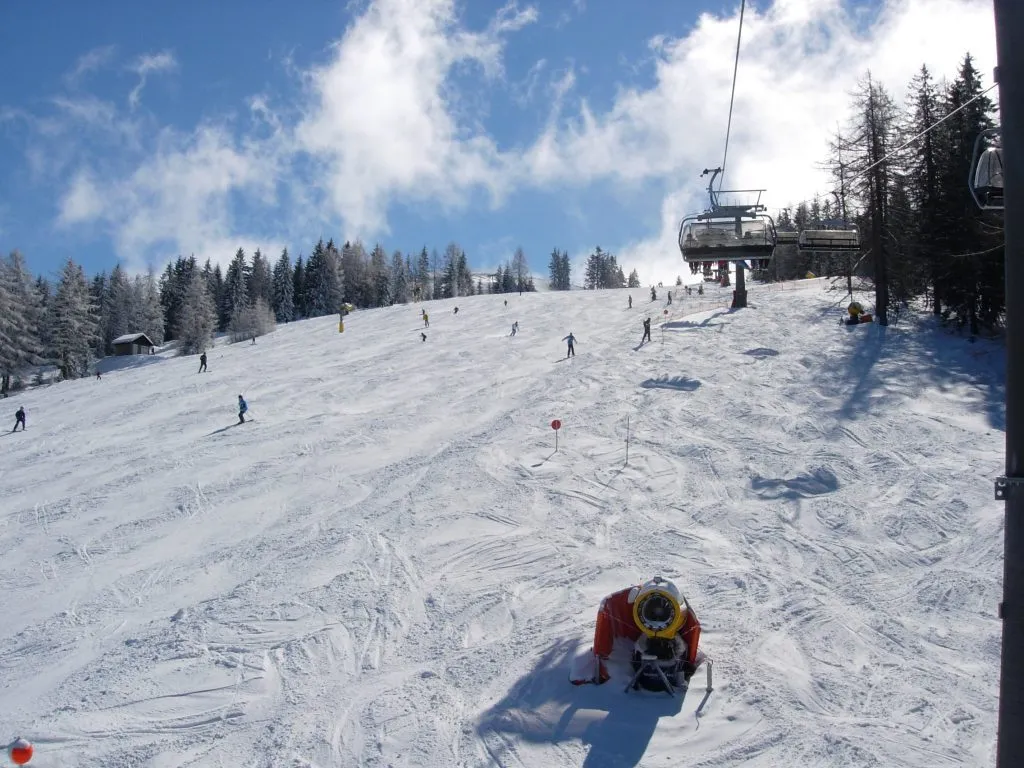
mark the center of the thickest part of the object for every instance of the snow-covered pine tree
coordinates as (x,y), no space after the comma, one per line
(197,318)
(259,283)
(120,311)
(450,280)
(423,279)
(399,279)
(464,276)
(19,340)
(251,320)
(520,269)
(150,320)
(236,293)
(299,289)
(283,289)
(380,279)
(74,322)
(323,281)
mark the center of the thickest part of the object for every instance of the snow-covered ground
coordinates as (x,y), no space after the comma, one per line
(391,566)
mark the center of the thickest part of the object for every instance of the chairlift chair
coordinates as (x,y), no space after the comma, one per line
(727,232)
(986,179)
(841,239)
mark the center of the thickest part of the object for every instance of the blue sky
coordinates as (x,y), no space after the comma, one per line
(133,132)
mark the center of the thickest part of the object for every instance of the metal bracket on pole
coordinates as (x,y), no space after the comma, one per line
(1005,484)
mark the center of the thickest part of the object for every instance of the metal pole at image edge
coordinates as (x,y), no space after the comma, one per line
(1009,20)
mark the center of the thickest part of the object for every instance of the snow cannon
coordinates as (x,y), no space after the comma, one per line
(651,632)
(20,751)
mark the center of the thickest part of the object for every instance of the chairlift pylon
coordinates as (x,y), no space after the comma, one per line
(986,179)
(727,232)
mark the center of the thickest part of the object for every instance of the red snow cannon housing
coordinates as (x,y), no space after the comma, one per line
(658,627)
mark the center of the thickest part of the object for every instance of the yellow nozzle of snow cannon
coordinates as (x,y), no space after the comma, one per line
(657,610)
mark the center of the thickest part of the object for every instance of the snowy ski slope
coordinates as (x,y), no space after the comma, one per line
(391,567)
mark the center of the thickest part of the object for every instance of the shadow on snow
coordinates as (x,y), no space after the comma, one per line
(544,707)
(681,383)
(818,481)
(879,355)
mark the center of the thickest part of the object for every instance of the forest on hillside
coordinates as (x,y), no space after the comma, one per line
(922,235)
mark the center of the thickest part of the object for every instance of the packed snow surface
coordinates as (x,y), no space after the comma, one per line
(391,565)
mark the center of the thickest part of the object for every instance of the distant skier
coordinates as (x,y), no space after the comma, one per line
(654,294)
(515,328)
(426,320)
(99,375)
(19,418)
(572,341)
(423,336)
(253,339)
(670,297)
(506,303)
(647,331)
(202,362)
(700,289)
(455,311)
(242,408)
(631,301)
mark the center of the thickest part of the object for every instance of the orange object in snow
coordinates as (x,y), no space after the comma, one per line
(656,620)
(20,751)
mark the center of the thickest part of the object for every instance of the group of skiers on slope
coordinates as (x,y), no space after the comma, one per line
(243,407)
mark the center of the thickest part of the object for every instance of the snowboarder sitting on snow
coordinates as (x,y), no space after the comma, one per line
(19,418)
(242,408)
(572,340)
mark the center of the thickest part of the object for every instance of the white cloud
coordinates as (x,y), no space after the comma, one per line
(88,62)
(81,202)
(381,121)
(144,66)
(178,201)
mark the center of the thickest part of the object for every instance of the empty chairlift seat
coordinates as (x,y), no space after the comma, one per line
(829,240)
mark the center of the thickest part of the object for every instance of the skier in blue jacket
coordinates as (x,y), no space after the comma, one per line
(572,341)
(242,408)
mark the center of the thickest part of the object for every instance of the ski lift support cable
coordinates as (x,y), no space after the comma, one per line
(732,96)
(930,128)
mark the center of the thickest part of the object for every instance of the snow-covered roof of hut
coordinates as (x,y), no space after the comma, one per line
(131,338)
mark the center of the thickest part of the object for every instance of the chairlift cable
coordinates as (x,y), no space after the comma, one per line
(931,127)
(732,96)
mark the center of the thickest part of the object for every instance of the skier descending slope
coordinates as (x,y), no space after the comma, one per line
(242,408)
(19,418)
(572,341)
